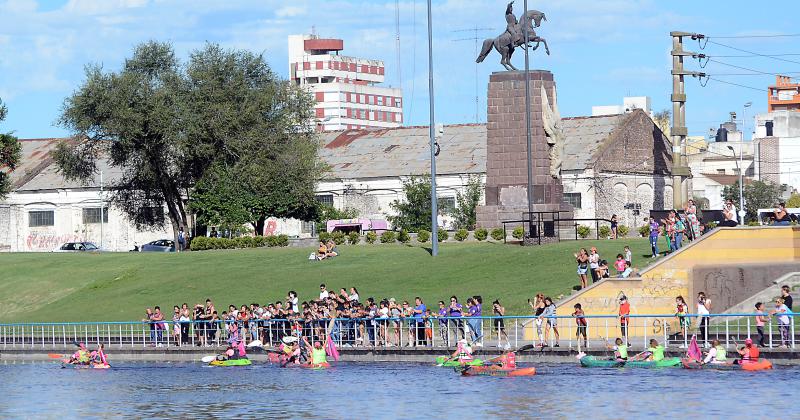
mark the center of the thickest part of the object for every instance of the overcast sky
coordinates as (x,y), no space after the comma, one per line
(601,50)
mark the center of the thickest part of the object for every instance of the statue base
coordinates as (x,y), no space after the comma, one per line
(506,150)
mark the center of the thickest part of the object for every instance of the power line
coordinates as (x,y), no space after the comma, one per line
(752,55)
(752,52)
(734,84)
(749,69)
(753,36)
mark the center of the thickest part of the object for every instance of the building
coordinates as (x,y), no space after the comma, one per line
(616,164)
(777,147)
(629,104)
(345,88)
(784,95)
(44,210)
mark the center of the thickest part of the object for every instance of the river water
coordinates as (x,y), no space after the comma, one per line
(384,390)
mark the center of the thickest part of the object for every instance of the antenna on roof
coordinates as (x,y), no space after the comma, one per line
(313,30)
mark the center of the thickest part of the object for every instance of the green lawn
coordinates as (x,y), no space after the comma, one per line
(79,287)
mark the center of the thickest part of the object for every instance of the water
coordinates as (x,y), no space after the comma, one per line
(384,390)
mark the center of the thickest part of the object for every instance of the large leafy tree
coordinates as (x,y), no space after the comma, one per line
(166,126)
(9,155)
(757,195)
(414,213)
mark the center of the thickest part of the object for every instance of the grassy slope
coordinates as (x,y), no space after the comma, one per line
(79,287)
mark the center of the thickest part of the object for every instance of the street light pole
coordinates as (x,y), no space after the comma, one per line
(741,164)
(102,210)
(432,133)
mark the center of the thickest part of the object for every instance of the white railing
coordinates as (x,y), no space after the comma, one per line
(393,333)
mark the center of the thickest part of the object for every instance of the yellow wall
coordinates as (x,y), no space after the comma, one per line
(655,291)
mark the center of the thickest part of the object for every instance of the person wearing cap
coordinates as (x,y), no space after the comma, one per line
(463,352)
(81,356)
(749,353)
(291,349)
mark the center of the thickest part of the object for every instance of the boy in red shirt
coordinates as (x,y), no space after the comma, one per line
(624,312)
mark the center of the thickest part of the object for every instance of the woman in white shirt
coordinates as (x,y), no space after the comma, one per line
(353,294)
(703,309)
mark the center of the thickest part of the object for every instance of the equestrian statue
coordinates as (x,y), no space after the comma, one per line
(514,36)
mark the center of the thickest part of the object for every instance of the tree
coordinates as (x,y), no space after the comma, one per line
(165,126)
(757,195)
(467,203)
(793,201)
(413,213)
(661,118)
(10,152)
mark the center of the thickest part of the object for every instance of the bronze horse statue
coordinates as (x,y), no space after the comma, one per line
(512,38)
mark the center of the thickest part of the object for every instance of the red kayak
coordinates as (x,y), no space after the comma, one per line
(761,364)
(495,371)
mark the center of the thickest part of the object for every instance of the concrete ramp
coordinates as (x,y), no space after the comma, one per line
(728,264)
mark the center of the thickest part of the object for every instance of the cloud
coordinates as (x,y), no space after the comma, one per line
(290,11)
(95,7)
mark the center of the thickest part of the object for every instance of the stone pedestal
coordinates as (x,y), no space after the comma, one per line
(506,146)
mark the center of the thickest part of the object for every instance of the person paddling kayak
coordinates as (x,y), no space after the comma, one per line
(80,357)
(749,353)
(620,350)
(98,357)
(291,350)
(319,357)
(463,353)
(716,354)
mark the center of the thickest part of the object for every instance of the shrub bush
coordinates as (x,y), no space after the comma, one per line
(324,236)
(518,232)
(423,236)
(481,234)
(584,231)
(387,237)
(461,235)
(622,231)
(199,243)
(260,241)
(753,223)
(338,237)
(604,231)
(353,238)
(371,237)
(498,234)
(442,234)
(644,231)
(403,237)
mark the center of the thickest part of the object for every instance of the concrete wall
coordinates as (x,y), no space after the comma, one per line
(723,249)
(728,285)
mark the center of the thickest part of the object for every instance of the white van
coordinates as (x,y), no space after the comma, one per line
(764,215)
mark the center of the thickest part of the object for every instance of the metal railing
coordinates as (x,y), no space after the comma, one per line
(427,332)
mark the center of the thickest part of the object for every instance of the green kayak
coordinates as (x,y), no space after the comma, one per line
(441,360)
(232,362)
(591,361)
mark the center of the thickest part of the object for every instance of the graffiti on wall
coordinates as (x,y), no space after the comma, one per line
(46,241)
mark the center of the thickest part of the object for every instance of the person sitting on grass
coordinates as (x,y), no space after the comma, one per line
(627,271)
(331,249)
(322,251)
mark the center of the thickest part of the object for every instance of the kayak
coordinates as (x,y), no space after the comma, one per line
(591,361)
(761,364)
(231,362)
(80,366)
(442,361)
(494,371)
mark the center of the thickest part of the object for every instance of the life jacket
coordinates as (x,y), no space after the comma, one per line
(288,350)
(721,354)
(509,361)
(752,354)
(318,356)
(658,353)
(83,356)
(623,351)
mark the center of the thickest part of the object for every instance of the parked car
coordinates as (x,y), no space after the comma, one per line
(78,247)
(161,245)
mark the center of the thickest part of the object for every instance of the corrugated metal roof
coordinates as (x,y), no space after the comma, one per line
(403,151)
(38,171)
(584,136)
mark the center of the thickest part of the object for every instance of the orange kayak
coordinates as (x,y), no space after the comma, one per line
(494,371)
(761,364)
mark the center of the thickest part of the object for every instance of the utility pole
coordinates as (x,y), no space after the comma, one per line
(678,132)
(475,39)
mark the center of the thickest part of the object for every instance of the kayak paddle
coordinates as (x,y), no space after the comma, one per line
(523,348)
(208,359)
(255,343)
(56,356)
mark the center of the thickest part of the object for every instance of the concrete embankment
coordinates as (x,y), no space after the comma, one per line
(426,355)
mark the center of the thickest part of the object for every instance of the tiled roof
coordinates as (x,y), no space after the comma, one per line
(403,151)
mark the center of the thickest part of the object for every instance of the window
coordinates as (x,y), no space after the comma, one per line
(573,199)
(41,218)
(92,215)
(446,204)
(325,199)
(721,171)
(307,227)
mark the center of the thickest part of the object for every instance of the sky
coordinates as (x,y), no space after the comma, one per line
(602,50)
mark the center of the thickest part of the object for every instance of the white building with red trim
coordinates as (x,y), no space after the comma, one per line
(345,88)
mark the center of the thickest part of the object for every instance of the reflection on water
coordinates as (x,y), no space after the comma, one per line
(372,390)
